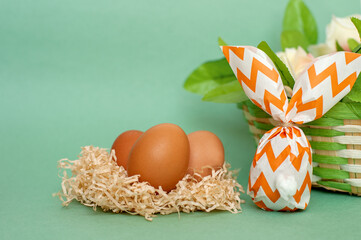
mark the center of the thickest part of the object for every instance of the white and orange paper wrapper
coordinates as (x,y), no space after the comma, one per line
(280,175)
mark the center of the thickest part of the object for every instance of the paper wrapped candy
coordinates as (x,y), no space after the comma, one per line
(280,175)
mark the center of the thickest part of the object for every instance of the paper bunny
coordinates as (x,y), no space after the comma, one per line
(280,175)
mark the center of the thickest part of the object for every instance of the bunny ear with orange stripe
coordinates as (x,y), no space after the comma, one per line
(259,78)
(324,83)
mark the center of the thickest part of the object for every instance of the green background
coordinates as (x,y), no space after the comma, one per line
(75,73)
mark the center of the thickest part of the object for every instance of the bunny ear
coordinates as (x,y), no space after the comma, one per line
(322,85)
(259,78)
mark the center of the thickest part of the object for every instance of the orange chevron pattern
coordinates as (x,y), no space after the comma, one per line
(274,162)
(297,160)
(331,71)
(297,132)
(296,100)
(306,182)
(277,131)
(290,133)
(257,66)
(239,51)
(310,101)
(269,98)
(262,182)
(350,56)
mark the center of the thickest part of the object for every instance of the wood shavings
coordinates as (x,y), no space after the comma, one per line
(96,180)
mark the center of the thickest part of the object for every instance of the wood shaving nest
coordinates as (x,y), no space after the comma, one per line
(96,180)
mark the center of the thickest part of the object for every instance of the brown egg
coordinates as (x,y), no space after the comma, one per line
(206,150)
(160,156)
(123,144)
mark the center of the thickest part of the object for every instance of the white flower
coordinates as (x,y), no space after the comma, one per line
(320,49)
(296,60)
(340,30)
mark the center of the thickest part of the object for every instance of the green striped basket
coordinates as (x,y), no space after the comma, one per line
(335,139)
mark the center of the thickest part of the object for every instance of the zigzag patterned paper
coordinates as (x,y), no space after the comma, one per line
(322,85)
(282,152)
(280,175)
(259,79)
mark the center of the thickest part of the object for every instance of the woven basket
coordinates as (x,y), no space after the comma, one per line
(336,144)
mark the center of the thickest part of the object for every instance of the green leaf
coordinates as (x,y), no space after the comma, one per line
(299,18)
(357,49)
(338,46)
(357,23)
(293,39)
(352,43)
(221,42)
(208,76)
(231,92)
(353,109)
(285,74)
(355,94)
